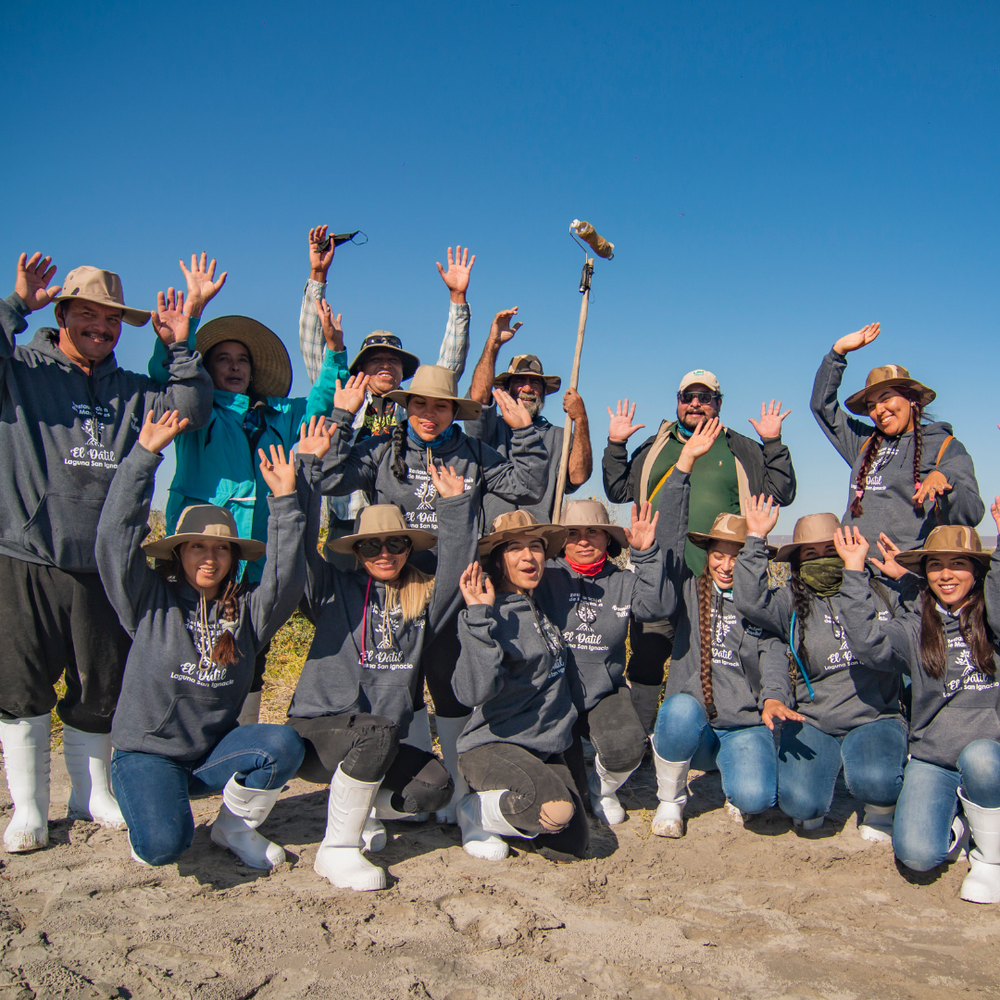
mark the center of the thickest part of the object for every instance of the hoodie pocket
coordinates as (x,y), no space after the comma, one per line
(62,530)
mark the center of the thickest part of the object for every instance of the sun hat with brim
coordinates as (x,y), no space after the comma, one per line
(591,514)
(813,529)
(204,523)
(103,287)
(888,377)
(435,382)
(946,540)
(382,520)
(521,524)
(383,340)
(527,364)
(726,528)
(269,361)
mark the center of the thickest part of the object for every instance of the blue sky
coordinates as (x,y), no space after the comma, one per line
(773,175)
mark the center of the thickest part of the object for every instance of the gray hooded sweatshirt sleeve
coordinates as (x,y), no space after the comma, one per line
(176,701)
(63,434)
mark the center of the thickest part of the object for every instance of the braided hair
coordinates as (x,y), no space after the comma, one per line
(801,606)
(704,585)
(398,449)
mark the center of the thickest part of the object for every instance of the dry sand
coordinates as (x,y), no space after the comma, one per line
(726,912)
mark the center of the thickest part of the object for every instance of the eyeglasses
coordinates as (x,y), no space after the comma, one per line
(702,397)
(380,339)
(368,548)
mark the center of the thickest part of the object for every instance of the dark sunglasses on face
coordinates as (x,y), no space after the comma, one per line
(702,397)
(368,548)
(381,339)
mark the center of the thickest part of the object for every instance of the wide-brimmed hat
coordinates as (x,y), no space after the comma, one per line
(946,540)
(886,377)
(382,340)
(700,376)
(103,287)
(725,528)
(435,382)
(269,361)
(813,529)
(591,514)
(380,521)
(518,524)
(527,364)
(204,522)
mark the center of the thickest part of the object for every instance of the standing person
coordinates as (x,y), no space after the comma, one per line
(907,476)
(354,701)
(850,700)
(951,649)
(70,415)
(728,679)
(196,631)
(738,469)
(513,669)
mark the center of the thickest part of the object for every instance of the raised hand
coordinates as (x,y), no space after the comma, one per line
(314,438)
(774,709)
(476,586)
(858,339)
(700,443)
(514,412)
(501,327)
(761,515)
(170,321)
(931,488)
(995,511)
(201,284)
(573,405)
(621,427)
(157,434)
(888,565)
(643,531)
(851,547)
(769,425)
(352,395)
(333,332)
(458,273)
(278,472)
(32,280)
(447,483)
(319,261)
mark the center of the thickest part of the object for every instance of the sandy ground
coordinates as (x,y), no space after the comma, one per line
(727,912)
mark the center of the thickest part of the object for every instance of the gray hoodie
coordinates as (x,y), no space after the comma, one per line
(889,488)
(175,701)
(949,712)
(363,658)
(63,433)
(849,687)
(513,669)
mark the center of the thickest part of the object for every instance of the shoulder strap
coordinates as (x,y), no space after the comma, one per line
(944,447)
(656,489)
(795,656)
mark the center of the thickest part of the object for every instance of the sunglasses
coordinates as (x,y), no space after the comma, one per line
(383,339)
(701,397)
(368,548)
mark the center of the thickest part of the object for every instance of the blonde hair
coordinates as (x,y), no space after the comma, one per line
(410,591)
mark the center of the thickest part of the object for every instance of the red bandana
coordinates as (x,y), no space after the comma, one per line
(591,569)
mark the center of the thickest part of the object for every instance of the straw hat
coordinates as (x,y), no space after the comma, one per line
(103,287)
(527,364)
(269,361)
(946,540)
(435,382)
(725,528)
(591,514)
(813,529)
(699,376)
(205,522)
(518,524)
(383,340)
(380,521)
(886,377)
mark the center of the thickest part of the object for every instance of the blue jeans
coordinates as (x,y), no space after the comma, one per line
(809,761)
(153,792)
(928,803)
(745,757)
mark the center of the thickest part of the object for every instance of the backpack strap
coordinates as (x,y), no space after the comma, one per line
(943,449)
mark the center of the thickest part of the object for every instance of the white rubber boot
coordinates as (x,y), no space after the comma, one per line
(88,761)
(733,813)
(26,759)
(373,834)
(877,824)
(483,825)
(339,857)
(243,810)
(958,846)
(646,702)
(250,712)
(982,884)
(671,790)
(603,784)
(448,731)
(808,824)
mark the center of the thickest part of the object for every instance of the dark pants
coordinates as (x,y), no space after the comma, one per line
(651,643)
(259,665)
(52,623)
(367,748)
(438,664)
(530,781)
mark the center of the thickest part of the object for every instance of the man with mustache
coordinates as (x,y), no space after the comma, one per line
(723,481)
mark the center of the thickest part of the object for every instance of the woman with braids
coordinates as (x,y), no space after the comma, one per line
(728,681)
(907,476)
(951,650)
(849,700)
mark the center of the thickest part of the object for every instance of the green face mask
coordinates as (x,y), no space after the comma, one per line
(823,576)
